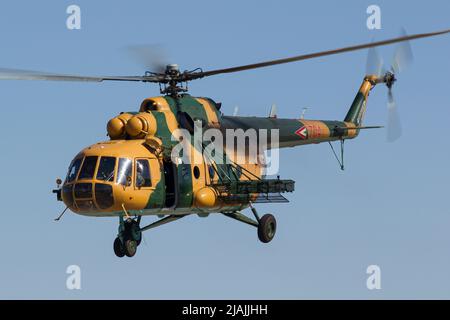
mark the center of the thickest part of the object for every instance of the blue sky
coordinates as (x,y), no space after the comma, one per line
(389,207)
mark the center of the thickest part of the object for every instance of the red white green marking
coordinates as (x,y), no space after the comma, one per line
(302,132)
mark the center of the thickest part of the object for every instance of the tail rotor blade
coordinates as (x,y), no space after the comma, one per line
(394,127)
(403,56)
(402,59)
(374,63)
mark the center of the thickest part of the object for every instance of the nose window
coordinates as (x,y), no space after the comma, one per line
(73,170)
(88,168)
(104,195)
(106,169)
(86,195)
(67,194)
(83,190)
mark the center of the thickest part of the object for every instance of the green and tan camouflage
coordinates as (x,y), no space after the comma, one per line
(141,144)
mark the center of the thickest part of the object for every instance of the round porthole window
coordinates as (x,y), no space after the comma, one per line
(196,172)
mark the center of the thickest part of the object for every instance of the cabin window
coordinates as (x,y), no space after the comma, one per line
(196,172)
(88,168)
(73,170)
(143,178)
(106,167)
(124,171)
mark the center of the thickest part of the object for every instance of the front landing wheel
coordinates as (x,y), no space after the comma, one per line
(119,249)
(266,228)
(130,248)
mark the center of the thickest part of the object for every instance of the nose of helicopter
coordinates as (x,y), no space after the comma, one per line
(88,197)
(92,187)
(99,180)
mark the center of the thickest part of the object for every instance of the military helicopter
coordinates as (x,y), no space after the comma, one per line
(134,173)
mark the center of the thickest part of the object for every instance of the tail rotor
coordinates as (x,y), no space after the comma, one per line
(401,60)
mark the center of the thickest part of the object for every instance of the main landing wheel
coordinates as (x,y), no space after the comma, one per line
(119,249)
(132,231)
(130,248)
(267,228)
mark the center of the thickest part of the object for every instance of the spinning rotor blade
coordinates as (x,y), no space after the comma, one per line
(320,54)
(16,74)
(394,127)
(374,63)
(403,56)
(151,57)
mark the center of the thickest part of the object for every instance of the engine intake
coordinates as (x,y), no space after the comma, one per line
(116,126)
(141,125)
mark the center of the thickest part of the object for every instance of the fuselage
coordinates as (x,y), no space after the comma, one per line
(135,173)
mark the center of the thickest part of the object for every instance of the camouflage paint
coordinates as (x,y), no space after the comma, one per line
(166,112)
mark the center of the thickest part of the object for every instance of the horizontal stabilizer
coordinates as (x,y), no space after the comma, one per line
(363,127)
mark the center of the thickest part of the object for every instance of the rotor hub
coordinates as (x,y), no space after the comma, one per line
(389,79)
(172,69)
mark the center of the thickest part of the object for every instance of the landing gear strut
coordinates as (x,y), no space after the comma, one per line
(130,234)
(266,225)
(129,238)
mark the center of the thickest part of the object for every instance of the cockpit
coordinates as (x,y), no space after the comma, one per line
(94,182)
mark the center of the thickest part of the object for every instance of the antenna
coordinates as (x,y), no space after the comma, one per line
(236,111)
(303,112)
(273,111)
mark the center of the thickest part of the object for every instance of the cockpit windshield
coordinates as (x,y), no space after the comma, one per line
(124,171)
(73,170)
(88,168)
(106,168)
(88,185)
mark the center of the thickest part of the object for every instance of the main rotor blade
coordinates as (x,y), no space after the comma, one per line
(16,74)
(152,57)
(320,54)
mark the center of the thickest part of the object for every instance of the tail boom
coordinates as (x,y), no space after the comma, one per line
(295,132)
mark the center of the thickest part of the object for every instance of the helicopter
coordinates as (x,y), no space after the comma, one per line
(136,172)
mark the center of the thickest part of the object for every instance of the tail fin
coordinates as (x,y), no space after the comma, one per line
(357,110)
